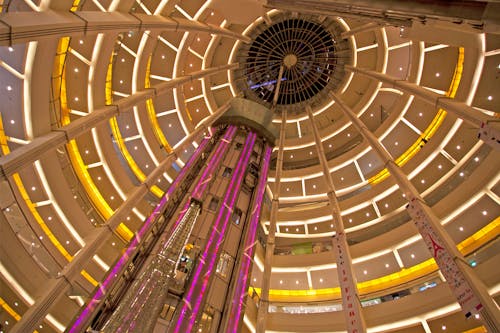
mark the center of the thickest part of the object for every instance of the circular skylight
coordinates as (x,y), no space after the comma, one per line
(310,51)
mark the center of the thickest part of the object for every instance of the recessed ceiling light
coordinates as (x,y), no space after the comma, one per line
(371,114)
(67,242)
(11,49)
(437,74)
(297,229)
(310,153)
(163,56)
(190,65)
(420,114)
(440,166)
(350,220)
(12,121)
(330,145)
(198,39)
(423,181)
(113,244)
(321,280)
(342,178)
(386,265)
(197,110)
(315,228)
(128,218)
(365,272)
(123,59)
(484,212)
(121,81)
(169,125)
(287,189)
(99,178)
(49,218)
(348,134)
(291,156)
(331,225)
(367,214)
(191,88)
(400,68)
(314,186)
(212,14)
(458,147)
(369,165)
(16,304)
(76,99)
(112,197)
(490,98)
(386,205)
(286,229)
(33,188)
(412,256)
(296,281)
(461,174)
(254,279)
(81,41)
(443,327)
(281,281)
(396,143)
(461,228)
(476,159)
(76,70)
(9,88)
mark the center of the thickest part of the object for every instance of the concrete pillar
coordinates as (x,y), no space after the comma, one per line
(351,304)
(469,290)
(268,259)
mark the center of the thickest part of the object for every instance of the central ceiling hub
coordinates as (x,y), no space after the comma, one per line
(290,60)
(310,49)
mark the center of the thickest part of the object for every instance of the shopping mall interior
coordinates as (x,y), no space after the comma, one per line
(249,166)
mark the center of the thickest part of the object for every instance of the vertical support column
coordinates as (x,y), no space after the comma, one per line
(268,264)
(468,289)
(196,293)
(142,303)
(351,303)
(237,304)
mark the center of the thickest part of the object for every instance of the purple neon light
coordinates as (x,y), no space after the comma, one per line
(211,250)
(207,174)
(242,282)
(120,265)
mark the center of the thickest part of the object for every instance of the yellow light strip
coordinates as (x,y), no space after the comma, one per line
(432,128)
(470,244)
(152,113)
(480,329)
(73,152)
(32,207)
(74,7)
(113,123)
(11,311)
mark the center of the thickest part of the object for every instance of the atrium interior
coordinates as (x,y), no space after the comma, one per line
(249,166)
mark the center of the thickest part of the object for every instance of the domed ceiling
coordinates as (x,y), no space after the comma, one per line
(147,88)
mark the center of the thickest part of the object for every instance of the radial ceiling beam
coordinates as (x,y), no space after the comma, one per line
(22,27)
(18,158)
(489,130)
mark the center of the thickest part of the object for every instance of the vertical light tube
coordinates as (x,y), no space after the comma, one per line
(189,311)
(146,296)
(84,316)
(240,290)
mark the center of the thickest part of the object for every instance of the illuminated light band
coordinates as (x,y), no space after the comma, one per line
(113,274)
(152,113)
(432,128)
(115,129)
(32,208)
(246,259)
(212,167)
(73,152)
(467,246)
(204,268)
